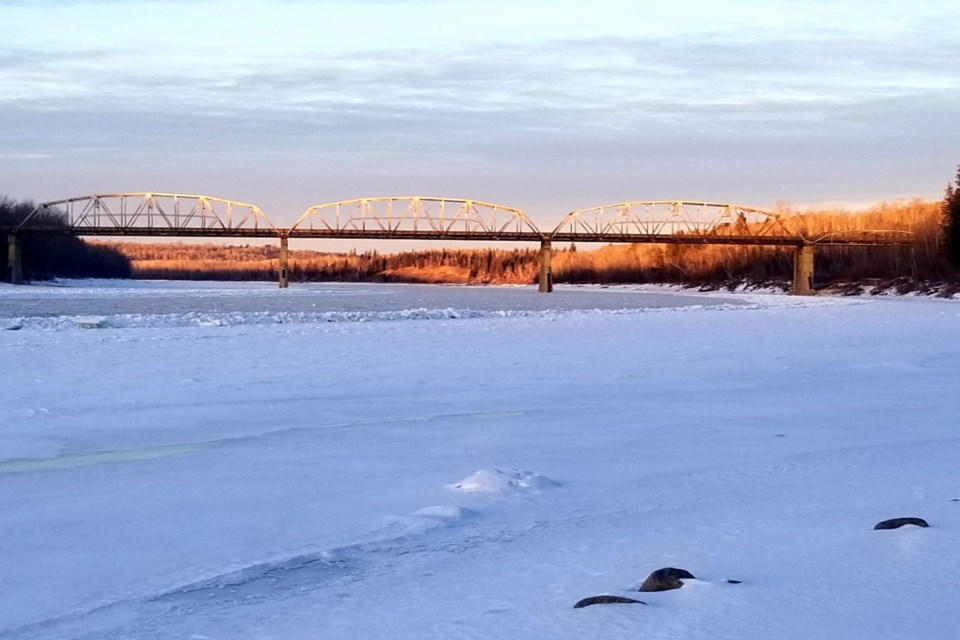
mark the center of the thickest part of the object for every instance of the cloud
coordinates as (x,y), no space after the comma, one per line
(781,107)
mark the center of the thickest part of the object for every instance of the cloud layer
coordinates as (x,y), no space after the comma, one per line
(811,109)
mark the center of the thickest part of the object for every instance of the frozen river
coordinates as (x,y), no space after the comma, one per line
(125,300)
(220,461)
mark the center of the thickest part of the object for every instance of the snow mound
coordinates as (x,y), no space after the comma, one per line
(444,513)
(504,481)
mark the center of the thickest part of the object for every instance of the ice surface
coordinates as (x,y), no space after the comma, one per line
(146,304)
(256,479)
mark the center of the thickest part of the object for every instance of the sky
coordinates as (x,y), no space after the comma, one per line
(547,106)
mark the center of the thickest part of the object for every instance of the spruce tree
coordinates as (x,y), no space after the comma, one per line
(951,222)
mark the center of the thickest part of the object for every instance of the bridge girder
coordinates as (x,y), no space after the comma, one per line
(410,216)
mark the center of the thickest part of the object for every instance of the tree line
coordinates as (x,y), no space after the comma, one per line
(950,213)
(209,261)
(45,257)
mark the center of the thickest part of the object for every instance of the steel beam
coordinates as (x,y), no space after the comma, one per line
(14,260)
(468,236)
(803,271)
(284,266)
(546,275)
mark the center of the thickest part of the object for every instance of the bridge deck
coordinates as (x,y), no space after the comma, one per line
(460,236)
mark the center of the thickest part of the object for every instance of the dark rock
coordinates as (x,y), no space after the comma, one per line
(666,579)
(896,523)
(734,581)
(586,602)
(955,500)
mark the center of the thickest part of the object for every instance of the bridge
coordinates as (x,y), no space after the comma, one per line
(432,218)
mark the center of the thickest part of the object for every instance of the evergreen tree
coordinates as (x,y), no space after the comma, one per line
(951,222)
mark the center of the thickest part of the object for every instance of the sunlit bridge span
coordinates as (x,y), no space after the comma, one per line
(432,218)
(148,214)
(415,218)
(695,221)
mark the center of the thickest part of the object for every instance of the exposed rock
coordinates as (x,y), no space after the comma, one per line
(734,581)
(666,579)
(606,599)
(896,523)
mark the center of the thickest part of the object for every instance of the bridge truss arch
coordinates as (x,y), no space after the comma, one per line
(170,214)
(675,220)
(416,217)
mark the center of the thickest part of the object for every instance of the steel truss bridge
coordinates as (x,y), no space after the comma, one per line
(432,218)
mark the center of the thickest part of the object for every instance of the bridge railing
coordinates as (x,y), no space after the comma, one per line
(435,218)
(160,213)
(673,218)
(407,216)
(863,237)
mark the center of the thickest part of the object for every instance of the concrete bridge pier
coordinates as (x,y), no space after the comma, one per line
(803,270)
(14,260)
(546,275)
(284,263)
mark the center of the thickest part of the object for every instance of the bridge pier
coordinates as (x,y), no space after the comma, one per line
(284,263)
(803,270)
(546,275)
(14,260)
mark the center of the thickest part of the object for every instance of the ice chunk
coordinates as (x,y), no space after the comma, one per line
(448,512)
(90,322)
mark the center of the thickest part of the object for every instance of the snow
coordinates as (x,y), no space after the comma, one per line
(168,478)
(504,482)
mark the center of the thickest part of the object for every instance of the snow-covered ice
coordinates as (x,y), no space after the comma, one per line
(162,477)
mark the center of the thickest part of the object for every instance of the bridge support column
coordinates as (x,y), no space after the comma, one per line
(803,271)
(546,275)
(14,260)
(284,263)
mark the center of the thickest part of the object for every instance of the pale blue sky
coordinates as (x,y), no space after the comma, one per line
(547,106)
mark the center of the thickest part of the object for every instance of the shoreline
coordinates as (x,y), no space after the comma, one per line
(872,287)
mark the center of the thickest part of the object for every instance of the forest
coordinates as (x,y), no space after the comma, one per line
(46,257)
